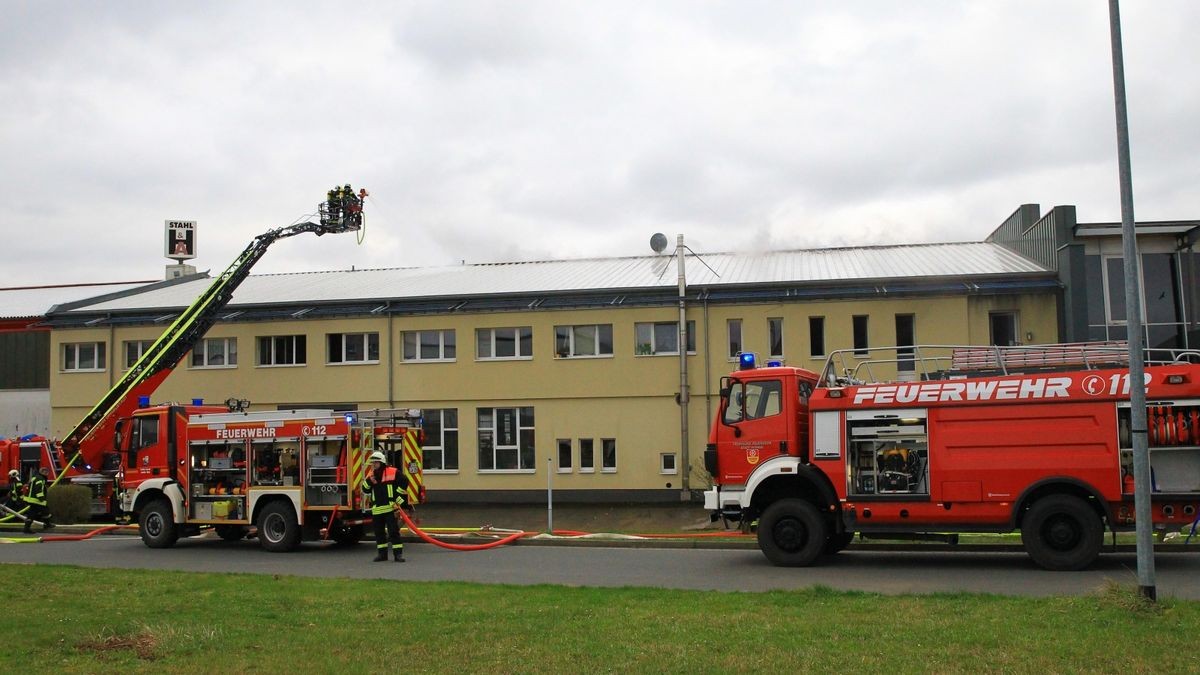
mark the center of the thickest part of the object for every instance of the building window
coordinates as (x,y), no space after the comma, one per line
(134,350)
(429,345)
(1002,328)
(587,456)
(282,350)
(860,335)
(666,463)
(353,347)
(506,439)
(84,356)
(441,439)
(564,455)
(662,338)
(816,336)
(504,343)
(608,455)
(1114,283)
(215,353)
(775,331)
(583,341)
(905,338)
(733,328)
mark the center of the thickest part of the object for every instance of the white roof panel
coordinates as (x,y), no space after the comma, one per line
(839,265)
(34,301)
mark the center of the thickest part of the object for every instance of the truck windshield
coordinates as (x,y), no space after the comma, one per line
(753,400)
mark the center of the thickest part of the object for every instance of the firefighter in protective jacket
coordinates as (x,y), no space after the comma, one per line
(36,500)
(386,487)
(14,490)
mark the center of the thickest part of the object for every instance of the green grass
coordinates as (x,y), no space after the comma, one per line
(68,619)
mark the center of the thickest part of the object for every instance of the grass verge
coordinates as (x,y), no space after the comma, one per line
(69,619)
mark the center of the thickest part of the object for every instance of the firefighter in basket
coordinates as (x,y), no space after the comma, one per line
(385,489)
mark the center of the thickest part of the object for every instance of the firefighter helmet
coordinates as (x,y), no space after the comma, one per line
(14,474)
(377,456)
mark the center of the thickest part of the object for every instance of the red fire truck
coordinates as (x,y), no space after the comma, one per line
(292,475)
(918,442)
(87,454)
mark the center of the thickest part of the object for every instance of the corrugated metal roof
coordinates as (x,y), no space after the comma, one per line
(928,261)
(34,301)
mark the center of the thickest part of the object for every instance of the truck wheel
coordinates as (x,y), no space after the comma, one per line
(792,533)
(277,527)
(837,542)
(347,535)
(156,524)
(231,532)
(1062,533)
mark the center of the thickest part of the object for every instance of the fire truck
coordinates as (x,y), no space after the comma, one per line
(89,453)
(292,476)
(928,442)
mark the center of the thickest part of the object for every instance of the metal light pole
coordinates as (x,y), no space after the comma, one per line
(1133,316)
(658,243)
(683,373)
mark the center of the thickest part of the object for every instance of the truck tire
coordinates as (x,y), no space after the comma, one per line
(1062,533)
(156,525)
(231,532)
(278,530)
(792,533)
(837,542)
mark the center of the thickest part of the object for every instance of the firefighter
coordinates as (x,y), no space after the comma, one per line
(14,490)
(385,493)
(35,498)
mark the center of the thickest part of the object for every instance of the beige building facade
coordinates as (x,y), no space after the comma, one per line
(577,385)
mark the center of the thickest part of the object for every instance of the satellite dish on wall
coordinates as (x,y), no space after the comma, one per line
(658,242)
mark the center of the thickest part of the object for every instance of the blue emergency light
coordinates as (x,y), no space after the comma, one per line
(143,401)
(350,418)
(746,361)
(774,364)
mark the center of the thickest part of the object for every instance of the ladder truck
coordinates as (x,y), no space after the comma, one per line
(925,442)
(89,453)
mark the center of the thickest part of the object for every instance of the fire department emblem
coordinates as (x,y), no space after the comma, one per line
(752,456)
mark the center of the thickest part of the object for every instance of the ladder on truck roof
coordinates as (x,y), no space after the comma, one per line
(161,357)
(942,362)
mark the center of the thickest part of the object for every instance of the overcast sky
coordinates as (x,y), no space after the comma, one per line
(500,131)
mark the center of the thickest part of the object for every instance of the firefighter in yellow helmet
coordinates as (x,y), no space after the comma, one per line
(14,490)
(385,491)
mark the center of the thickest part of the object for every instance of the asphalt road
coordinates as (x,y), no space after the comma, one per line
(702,569)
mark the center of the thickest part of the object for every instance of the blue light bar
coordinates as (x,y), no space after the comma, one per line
(143,401)
(746,361)
(774,364)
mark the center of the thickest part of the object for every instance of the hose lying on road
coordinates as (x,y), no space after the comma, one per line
(458,547)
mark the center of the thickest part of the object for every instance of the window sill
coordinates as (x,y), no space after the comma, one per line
(508,471)
(233,367)
(583,357)
(353,363)
(440,472)
(281,365)
(565,470)
(587,471)
(415,361)
(504,358)
(668,473)
(608,470)
(646,356)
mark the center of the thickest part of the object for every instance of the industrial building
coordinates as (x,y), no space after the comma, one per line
(569,370)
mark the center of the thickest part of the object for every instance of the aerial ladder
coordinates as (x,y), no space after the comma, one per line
(89,443)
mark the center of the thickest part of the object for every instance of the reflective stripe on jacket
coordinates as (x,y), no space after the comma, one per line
(37,491)
(386,491)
